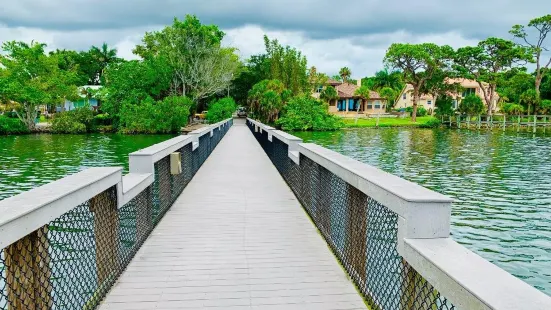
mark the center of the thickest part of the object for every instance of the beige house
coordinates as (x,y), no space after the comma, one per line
(427,101)
(349,104)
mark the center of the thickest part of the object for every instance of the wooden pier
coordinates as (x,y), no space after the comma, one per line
(498,121)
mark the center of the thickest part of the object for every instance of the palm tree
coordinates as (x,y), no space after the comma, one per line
(345,74)
(329,94)
(104,56)
(384,78)
(390,95)
(364,93)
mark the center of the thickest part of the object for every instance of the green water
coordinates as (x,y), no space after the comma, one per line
(501,181)
(29,161)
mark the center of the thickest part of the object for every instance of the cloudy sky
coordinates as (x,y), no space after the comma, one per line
(332,34)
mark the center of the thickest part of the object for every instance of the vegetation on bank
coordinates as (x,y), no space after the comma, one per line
(422,121)
(12,126)
(221,109)
(306,113)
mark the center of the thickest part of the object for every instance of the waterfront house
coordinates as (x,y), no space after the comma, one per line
(428,101)
(348,104)
(86,98)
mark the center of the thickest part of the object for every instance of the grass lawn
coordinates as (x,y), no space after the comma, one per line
(423,121)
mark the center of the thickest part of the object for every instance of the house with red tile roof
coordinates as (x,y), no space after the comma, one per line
(348,104)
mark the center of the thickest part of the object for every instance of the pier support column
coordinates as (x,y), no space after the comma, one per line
(28,272)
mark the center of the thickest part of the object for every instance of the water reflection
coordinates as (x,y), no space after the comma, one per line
(501,182)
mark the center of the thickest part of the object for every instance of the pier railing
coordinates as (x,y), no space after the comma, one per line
(391,235)
(497,121)
(63,245)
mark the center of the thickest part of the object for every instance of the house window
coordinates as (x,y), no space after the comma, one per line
(469,91)
(404,96)
(377,104)
(370,105)
(319,89)
(454,104)
(429,102)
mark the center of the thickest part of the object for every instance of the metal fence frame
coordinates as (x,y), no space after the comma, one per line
(391,235)
(63,245)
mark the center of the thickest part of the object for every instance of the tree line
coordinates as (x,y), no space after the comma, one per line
(182,68)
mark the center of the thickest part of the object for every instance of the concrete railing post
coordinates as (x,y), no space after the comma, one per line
(106,232)
(28,272)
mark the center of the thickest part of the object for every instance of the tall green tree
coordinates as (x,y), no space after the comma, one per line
(387,78)
(329,94)
(418,63)
(201,67)
(542,27)
(288,65)
(363,92)
(487,61)
(471,105)
(316,79)
(31,78)
(267,98)
(390,95)
(103,57)
(345,74)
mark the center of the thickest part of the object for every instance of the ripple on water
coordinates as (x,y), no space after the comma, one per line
(501,183)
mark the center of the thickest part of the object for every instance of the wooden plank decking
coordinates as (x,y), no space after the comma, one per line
(237,238)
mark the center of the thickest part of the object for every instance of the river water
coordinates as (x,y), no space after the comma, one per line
(501,182)
(29,161)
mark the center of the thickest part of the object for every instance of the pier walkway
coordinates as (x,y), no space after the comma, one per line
(236,238)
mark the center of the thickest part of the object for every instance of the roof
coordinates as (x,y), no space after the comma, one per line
(346,90)
(333,82)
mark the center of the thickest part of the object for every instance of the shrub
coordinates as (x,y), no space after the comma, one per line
(103,120)
(306,113)
(220,110)
(10,125)
(444,106)
(471,105)
(512,109)
(431,123)
(80,120)
(150,116)
(421,111)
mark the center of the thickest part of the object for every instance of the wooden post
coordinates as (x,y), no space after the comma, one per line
(518,123)
(459,121)
(28,273)
(504,121)
(468,121)
(479,120)
(106,232)
(535,117)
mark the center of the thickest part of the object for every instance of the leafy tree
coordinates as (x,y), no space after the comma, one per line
(471,105)
(201,67)
(440,84)
(444,105)
(512,109)
(363,92)
(545,90)
(73,61)
(337,78)
(345,74)
(254,70)
(133,82)
(307,113)
(386,78)
(80,120)
(287,65)
(221,109)
(267,98)
(486,62)
(30,78)
(390,95)
(418,63)
(103,57)
(329,94)
(542,25)
(529,99)
(150,116)
(316,79)
(545,106)
(513,83)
